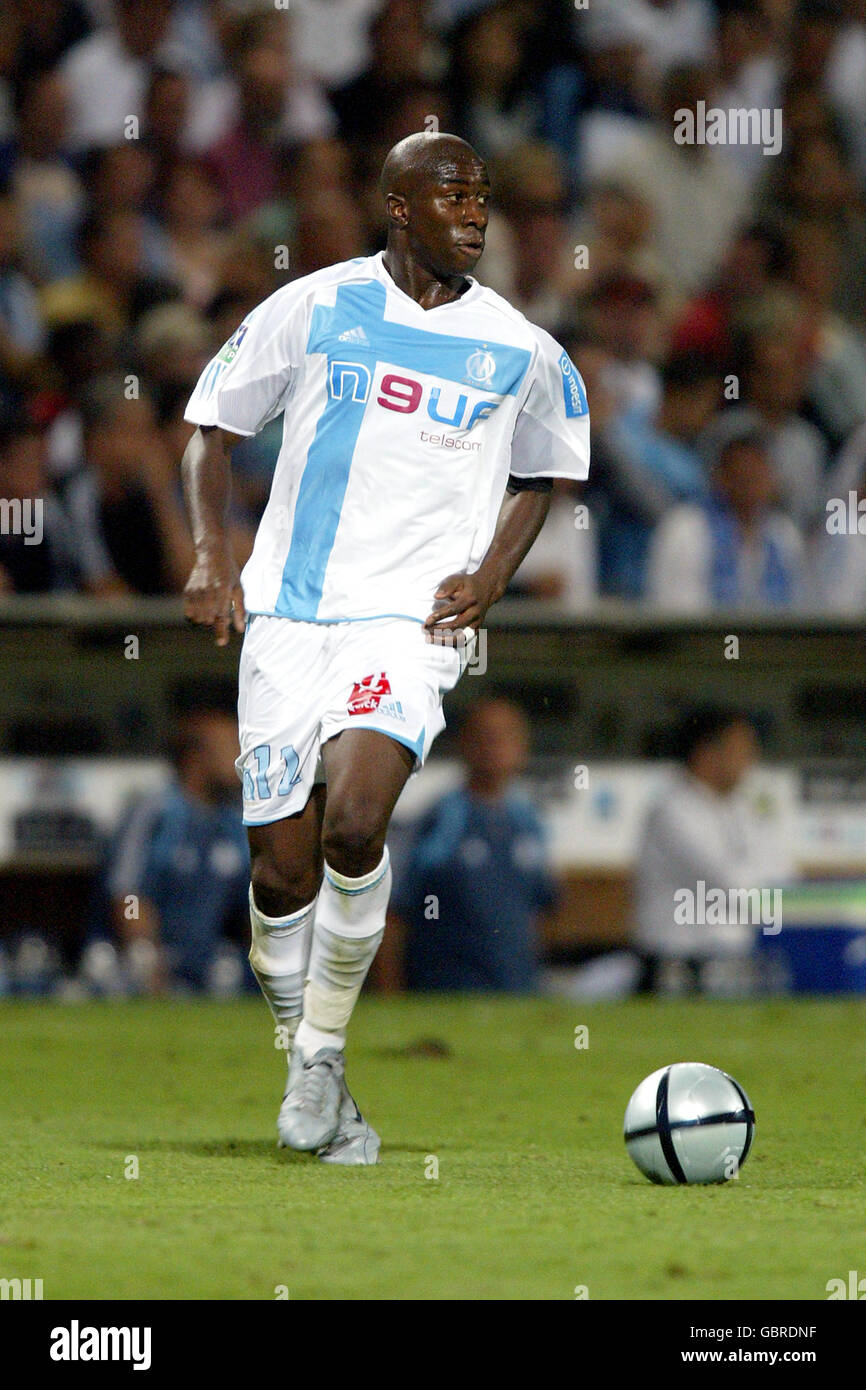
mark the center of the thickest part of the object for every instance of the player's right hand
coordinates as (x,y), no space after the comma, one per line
(213,595)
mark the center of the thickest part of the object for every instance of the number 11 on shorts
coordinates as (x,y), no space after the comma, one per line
(257,788)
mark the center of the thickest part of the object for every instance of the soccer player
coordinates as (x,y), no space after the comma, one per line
(424,422)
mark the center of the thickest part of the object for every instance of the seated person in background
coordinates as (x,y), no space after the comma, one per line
(177,873)
(736,550)
(465,904)
(650,462)
(698,836)
(42,551)
(125,498)
(562,563)
(837,552)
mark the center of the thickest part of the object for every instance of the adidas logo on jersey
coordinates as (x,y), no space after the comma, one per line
(353,335)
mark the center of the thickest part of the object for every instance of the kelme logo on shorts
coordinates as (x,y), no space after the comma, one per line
(367,693)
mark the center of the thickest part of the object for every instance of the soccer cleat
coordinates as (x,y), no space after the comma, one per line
(356,1142)
(310,1113)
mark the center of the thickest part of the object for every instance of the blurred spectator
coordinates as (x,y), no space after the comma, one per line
(749,71)
(275,105)
(695,190)
(844,80)
(622,313)
(838,545)
(121,178)
(399,58)
(562,565)
(838,377)
(616,230)
(41,549)
(650,462)
(753,263)
(196,241)
(22,335)
(113,286)
(492,101)
(173,345)
(125,499)
(330,229)
(735,550)
(330,37)
(48,191)
(79,351)
(700,836)
(467,898)
(176,877)
(44,32)
(107,72)
(666,32)
(536,270)
(775,360)
(166,113)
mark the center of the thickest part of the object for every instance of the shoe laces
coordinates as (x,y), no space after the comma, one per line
(315,1077)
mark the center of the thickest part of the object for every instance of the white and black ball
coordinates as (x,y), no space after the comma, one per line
(689,1123)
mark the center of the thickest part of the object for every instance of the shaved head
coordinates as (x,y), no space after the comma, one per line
(426,157)
(436,192)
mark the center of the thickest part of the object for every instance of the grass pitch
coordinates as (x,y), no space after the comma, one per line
(535,1193)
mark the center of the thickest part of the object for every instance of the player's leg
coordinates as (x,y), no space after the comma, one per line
(366,771)
(286,862)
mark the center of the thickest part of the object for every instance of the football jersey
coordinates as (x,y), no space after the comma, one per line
(400,429)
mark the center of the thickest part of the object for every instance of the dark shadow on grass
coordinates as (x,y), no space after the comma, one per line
(199,1148)
(243,1148)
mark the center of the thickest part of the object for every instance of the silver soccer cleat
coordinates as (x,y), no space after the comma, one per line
(356,1142)
(310,1113)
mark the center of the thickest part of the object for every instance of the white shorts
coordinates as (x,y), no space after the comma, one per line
(301,683)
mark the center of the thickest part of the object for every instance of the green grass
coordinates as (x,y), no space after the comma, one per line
(535,1193)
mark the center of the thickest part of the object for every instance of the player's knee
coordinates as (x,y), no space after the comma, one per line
(279,889)
(353,839)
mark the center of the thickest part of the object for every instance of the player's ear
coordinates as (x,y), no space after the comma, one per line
(397,208)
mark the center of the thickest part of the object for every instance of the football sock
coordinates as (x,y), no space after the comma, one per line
(279,954)
(349,925)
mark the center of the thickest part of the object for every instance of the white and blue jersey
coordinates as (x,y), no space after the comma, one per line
(401,427)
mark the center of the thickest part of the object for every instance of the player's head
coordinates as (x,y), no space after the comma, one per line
(494,744)
(203,749)
(718,745)
(436,191)
(744,476)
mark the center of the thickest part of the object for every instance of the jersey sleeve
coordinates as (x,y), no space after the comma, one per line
(248,382)
(551,435)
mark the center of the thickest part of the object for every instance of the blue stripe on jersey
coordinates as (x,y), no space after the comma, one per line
(210,380)
(359,314)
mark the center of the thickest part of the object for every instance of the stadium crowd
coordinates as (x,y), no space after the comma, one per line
(166,164)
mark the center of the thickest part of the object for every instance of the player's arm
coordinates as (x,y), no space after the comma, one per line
(465,598)
(213,594)
(139,940)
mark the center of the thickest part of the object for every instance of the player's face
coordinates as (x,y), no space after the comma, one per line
(738,751)
(448,217)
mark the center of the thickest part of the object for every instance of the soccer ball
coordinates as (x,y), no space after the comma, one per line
(689,1123)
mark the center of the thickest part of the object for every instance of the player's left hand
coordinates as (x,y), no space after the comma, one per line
(463,598)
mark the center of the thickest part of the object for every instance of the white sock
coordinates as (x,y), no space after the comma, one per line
(279,955)
(349,925)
